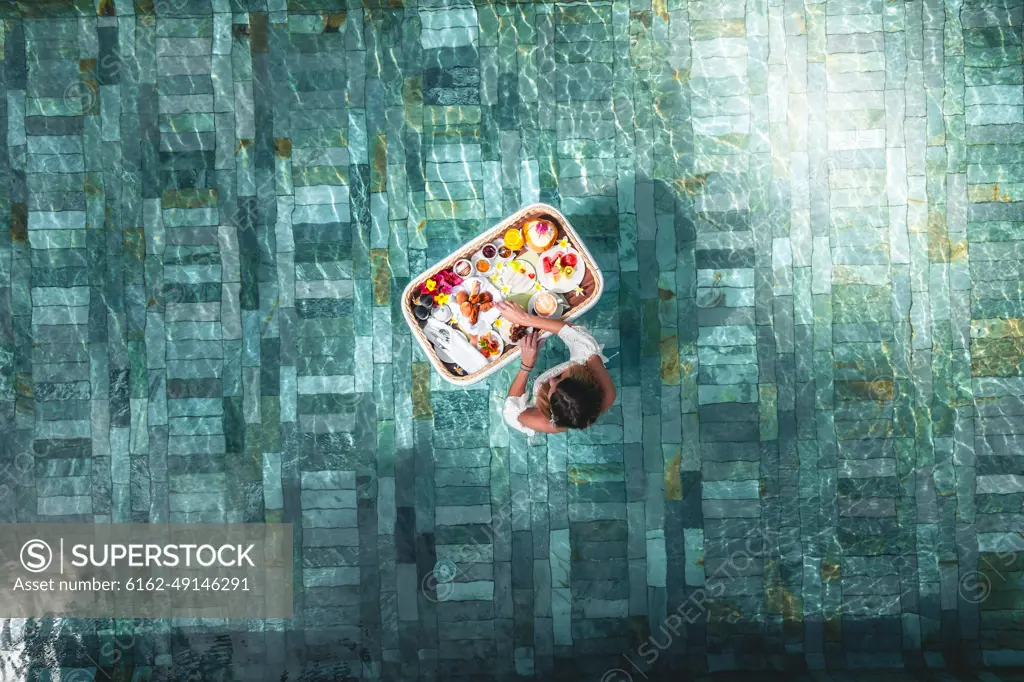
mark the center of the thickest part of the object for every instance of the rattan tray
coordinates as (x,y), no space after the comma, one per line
(593,287)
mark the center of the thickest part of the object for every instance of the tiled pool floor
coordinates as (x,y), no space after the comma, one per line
(809,218)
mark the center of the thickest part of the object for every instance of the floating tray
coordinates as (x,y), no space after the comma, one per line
(592,285)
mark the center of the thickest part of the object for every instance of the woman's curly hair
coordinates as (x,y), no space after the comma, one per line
(575,402)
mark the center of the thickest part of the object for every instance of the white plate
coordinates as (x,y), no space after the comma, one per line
(504,330)
(485,320)
(532,309)
(501,346)
(519,284)
(562,286)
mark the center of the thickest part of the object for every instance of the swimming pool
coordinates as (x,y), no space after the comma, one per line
(808,216)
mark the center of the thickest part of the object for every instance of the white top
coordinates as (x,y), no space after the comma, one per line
(581,345)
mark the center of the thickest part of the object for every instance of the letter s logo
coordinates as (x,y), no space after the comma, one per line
(36,556)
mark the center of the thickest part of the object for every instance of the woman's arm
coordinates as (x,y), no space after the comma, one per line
(515,313)
(544,324)
(529,351)
(518,386)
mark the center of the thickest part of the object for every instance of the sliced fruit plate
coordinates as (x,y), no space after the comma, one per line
(560,269)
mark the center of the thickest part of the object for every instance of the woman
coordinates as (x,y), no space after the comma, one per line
(570,396)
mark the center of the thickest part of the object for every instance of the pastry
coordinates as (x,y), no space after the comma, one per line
(517,333)
(485,306)
(461,297)
(540,234)
(466,308)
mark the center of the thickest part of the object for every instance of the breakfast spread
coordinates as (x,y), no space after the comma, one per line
(532,262)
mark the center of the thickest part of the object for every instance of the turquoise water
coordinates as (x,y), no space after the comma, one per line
(808,218)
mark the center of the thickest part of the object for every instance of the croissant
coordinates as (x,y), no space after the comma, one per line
(486,297)
(476,289)
(466,308)
(485,306)
(474,315)
(461,297)
(474,299)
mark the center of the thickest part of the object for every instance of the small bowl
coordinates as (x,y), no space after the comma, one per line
(462,268)
(505,253)
(442,313)
(489,251)
(483,266)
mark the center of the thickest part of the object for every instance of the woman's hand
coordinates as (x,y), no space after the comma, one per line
(530,349)
(513,312)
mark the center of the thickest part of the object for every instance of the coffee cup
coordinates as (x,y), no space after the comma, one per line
(547,304)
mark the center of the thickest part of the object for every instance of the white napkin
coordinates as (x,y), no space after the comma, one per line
(454,344)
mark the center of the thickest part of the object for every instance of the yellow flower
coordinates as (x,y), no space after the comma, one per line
(538,287)
(497,322)
(500,266)
(505,289)
(441,299)
(563,242)
(430,285)
(578,291)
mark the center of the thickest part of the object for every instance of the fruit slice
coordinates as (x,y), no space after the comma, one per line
(548,265)
(569,260)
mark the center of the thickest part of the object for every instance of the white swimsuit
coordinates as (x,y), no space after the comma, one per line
(581,346)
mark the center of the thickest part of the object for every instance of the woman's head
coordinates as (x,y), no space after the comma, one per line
(571,400)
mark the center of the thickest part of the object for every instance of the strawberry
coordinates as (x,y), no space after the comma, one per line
(569,260)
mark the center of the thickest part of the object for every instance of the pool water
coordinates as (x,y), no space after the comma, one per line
(809,218)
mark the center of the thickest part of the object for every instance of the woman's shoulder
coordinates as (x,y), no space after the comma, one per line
(533,418)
